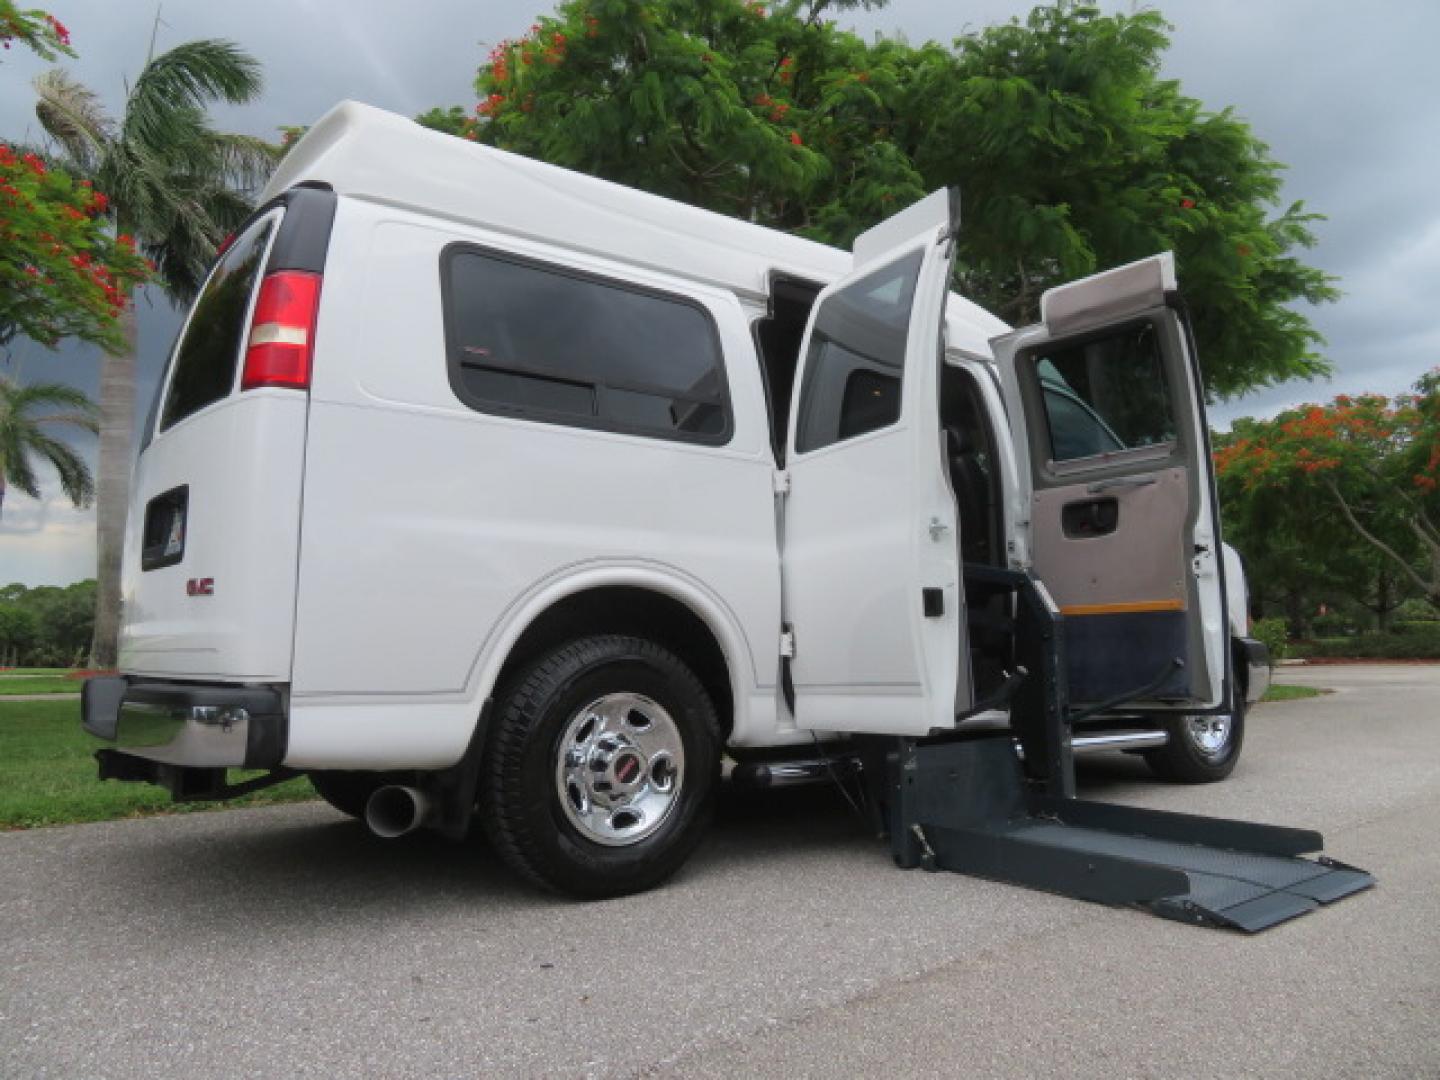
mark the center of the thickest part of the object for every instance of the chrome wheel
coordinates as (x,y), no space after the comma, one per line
(1210,734)
(620,767)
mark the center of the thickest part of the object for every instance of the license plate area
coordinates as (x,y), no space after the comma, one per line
(163,543)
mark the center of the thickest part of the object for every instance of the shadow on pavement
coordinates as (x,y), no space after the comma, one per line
(275,871)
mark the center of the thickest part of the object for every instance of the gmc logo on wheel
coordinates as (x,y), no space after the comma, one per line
(204,586)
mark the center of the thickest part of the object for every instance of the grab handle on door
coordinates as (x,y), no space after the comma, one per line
(1118,482)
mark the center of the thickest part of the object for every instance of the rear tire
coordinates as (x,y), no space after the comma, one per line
(347,792)
(601,768)
(1202,749)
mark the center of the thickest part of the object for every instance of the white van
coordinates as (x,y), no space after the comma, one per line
(479,485)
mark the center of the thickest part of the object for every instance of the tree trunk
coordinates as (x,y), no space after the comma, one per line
(112,490)
(1295,615)
(1384,602)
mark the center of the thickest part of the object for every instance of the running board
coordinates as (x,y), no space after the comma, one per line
(964,807)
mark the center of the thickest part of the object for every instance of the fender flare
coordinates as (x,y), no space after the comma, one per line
(652,575)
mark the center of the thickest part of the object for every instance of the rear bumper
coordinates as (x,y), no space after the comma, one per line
(189,725)
(1255,655)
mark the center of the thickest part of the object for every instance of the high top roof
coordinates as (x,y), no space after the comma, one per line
(370,154)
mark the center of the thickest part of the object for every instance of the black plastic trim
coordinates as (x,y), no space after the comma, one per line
(304,237)
(1256,653)
(150,558)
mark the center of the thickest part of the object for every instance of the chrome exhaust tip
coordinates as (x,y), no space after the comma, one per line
(395,810)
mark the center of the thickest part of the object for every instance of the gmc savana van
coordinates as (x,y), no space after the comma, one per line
(475,486)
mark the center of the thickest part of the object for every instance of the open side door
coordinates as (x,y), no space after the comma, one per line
(1108,417)
(870,552)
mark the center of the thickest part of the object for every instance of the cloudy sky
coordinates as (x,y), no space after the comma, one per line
(1348,95)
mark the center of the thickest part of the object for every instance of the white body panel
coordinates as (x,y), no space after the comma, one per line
(243,459)
(430,527)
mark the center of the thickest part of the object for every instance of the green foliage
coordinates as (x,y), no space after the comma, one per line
(38,30)
(48,626)
(25,438)
(1072,153)
(47,774)
(62,274)
(1410,646)
(1271,632)
(1414,626)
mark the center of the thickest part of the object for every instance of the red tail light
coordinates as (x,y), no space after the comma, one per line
(282,333)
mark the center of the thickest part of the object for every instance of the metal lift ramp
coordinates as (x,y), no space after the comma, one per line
(972,807)
(963,806)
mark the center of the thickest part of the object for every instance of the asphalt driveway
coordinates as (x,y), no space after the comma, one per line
(286,942)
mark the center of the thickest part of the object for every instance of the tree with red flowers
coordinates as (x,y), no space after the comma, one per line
(44,34)
(1071,151)
(1367,465)
(62,272)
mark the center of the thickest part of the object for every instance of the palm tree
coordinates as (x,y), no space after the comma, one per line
(177,186)
(24,438)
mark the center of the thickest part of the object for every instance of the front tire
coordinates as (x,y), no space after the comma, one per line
(1202,749)
(601,768)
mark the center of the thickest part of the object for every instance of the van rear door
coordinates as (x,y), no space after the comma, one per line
(212,538)
(1108,415)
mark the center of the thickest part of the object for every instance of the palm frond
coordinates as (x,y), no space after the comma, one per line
(189,76)
(21,398)
(75,477)
(247,161)
(72,115)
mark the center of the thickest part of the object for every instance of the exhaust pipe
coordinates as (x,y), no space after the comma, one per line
(395,810)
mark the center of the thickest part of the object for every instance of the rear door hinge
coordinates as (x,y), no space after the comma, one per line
(780,481)
(787,644)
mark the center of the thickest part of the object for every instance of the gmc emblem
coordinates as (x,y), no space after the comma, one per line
(204,586)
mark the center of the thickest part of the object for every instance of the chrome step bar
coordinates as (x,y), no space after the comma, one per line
(1118,740)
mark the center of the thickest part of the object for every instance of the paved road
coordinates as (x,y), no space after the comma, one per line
(285,942)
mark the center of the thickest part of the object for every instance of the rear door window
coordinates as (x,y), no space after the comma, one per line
(554,344)
(209,354)
(1106,395)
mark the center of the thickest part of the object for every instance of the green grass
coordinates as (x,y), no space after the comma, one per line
(39,684)
(1277,692)
(47,774)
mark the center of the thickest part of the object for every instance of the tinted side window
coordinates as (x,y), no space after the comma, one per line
(1106,394)
(208,355)
(546,343)
(855,365)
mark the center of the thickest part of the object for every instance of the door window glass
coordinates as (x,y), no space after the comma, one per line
(208,355)
(550,344)
(1106,394)
(855,364)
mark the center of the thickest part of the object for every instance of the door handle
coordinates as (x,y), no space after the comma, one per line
(938,528)
(1119,482)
